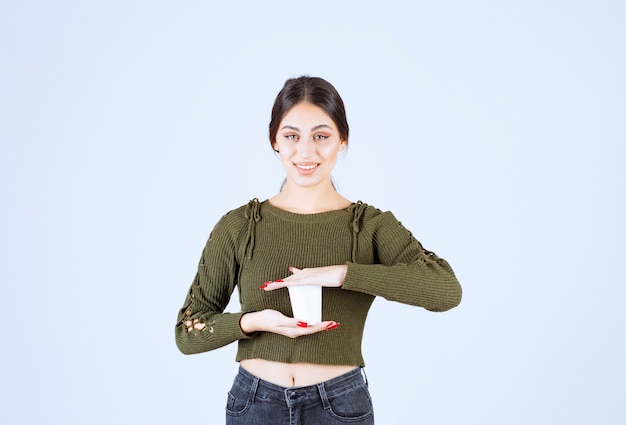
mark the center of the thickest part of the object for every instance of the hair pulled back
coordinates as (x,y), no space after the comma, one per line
(316,91)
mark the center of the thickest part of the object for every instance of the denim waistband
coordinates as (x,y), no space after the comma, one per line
(260,388)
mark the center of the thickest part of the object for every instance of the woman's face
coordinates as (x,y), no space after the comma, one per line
(308,143)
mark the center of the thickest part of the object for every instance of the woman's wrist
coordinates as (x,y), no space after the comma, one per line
(247,323)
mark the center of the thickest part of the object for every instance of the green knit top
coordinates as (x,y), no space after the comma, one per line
(258,242)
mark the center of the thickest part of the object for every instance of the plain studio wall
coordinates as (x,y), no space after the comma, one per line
(495,131)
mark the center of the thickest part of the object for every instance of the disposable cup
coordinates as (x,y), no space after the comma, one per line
(306,303)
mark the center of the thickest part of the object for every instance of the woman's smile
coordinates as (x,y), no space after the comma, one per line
(306,168)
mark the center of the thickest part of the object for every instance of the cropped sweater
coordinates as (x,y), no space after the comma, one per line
(258,242)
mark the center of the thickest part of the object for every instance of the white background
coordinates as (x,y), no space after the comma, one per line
(494,130)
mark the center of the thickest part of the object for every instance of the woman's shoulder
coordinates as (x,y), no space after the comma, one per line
(366,210)
(238,216)
(372,216)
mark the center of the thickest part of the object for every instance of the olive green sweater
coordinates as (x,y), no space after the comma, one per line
(258,242)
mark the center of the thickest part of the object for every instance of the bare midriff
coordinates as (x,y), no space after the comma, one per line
(293,374)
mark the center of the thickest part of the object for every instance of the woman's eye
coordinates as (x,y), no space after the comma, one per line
(291,137)
(320,137)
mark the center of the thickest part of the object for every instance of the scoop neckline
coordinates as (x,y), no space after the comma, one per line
(294,216)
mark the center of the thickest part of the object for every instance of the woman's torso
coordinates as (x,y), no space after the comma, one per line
(293,374)
(296,374)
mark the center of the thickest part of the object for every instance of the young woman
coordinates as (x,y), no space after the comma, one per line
(308,234)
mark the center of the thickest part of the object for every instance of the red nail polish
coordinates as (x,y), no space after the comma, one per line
(279,281)
(332,326)
(264,286)
(303,324)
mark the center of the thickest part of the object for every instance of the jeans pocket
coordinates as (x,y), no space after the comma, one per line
(238,400)
(352,405)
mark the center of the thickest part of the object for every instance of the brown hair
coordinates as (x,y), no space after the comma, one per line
(316,91)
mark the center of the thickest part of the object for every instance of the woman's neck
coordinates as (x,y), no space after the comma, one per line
(309,200)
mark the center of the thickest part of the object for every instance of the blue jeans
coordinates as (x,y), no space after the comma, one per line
(341,400)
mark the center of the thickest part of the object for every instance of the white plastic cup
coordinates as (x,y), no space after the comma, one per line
(306,303)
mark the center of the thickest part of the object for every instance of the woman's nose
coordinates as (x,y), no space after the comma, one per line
(306,149)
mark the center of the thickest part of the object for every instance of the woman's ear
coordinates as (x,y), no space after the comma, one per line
(342,145)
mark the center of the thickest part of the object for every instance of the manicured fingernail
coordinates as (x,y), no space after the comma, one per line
(333,325)
(303,324)
(262,287)
(279,281)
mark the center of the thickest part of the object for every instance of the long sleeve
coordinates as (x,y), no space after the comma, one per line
(398,268)
(210,293)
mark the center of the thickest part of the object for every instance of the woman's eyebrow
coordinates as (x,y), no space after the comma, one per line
(317,127)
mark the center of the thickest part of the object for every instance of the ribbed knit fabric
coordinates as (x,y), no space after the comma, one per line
(258,242)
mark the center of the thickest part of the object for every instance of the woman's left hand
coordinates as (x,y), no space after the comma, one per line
(331,276)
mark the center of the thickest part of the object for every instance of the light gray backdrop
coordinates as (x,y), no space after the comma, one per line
(493,130)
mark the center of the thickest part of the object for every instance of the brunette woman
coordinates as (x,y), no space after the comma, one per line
(293,372)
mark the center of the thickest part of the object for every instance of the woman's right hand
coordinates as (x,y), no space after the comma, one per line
(276,322)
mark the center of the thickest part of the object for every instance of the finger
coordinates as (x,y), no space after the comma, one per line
(277,284)
(280,283)
(271,285)
(322,326)
(298,331)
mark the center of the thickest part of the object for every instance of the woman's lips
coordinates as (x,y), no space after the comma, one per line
(306,168)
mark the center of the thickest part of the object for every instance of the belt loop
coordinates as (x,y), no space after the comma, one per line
(323,396)
(253,389)
(364,375)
